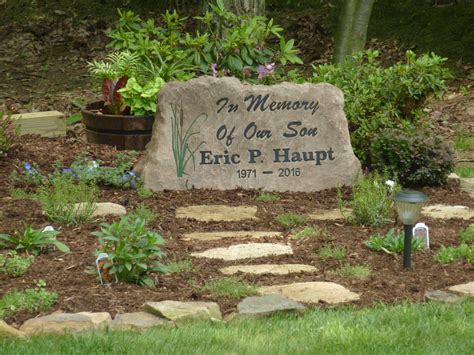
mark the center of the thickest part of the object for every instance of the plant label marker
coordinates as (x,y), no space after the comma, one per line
(102,269)
(422,232)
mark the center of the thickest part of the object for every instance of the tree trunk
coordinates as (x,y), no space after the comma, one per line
(352,28)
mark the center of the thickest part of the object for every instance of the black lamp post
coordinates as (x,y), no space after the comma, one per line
(408,204)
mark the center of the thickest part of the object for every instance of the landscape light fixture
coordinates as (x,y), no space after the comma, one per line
(408,204)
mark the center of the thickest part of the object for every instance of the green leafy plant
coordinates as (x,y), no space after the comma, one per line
(31,299)
(21,194)
(143,213)
(132,248)
(371,202)
(141,97)
(33,240)
(354,271)
(9,133)
(333,252)
(467,235)
(230,287)
(447,255)
(184,265)
(308,232)
(144,193)
(290,220)
(392,242)
(68,202)
(267,197)
(13,264)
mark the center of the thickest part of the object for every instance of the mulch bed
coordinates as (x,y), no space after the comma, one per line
(79,291)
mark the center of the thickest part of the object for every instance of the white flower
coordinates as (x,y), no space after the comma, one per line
(93,165)
(48,229)
(390,184)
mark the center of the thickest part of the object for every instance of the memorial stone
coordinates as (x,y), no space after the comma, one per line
(219,133)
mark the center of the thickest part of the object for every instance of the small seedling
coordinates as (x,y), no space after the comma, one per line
(447,255)
(332,252)
(230,287)
(144,193)
(267,197)
(185,265)
(467,235)
(354,271)
(291,219)
(309,232)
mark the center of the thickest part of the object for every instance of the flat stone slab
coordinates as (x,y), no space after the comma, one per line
(466,289)
(103,209)
(312,292)
(329,215)
(7,331)
(137,321)
(184,311)
(274,269)
(245,251)
(442,296)
(207,236)
(218,213)
(445,212)
(266,305)
(66,322)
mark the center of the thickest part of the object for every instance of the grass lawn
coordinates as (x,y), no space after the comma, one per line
(412,328)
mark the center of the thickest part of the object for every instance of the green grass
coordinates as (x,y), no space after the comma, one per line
(267,197)
(230,287)
(291,219)
(332,252)
(309,232)
(354,271)
(21,194)
(184,265)
(463,142)
(431,328)
(465,172)
(144,193)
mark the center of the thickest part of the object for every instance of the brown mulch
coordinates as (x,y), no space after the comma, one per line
(79,291)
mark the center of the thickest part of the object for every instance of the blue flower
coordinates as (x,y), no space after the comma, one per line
(125,177)
(28,166)
(67,171)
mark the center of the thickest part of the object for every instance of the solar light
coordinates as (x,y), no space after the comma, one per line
(408,204)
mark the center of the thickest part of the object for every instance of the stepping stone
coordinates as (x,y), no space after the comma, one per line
(329,215)
(105,209)
(312,292)
(184,311)
(442,296)
(7,331)
(205,236)
(219,213)
(463,289)
(66,322)
(266,305)
(245,251)
(454,180)
(446,212)
(137,320)
(274,269)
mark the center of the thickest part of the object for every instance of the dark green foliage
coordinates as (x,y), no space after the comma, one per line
(32,240)
(416,157)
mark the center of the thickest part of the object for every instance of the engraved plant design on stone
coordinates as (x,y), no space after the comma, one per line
(180,139)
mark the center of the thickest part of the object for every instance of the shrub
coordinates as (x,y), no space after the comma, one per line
(66,202)
(332,252)
(132,248)
(9,133)
(13,264)
(392,242)
(33,240)
(416,157)
(291,219)
(267,197)
(31,299)
(309,232)
(230,287)
(371,201)
(378,98)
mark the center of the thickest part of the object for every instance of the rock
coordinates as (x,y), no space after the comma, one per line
(274,269)
(103,209)
(245,251)
(137,320)
(184,311)
(206,236)
(66,322)
(454,180)
(466,289)
(217,213)
(325,215)
(285,137)
(312,292)
(467,184)
(7,331)
(442,296)
(267,305)
(446,212)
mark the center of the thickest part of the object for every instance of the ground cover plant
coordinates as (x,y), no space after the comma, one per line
(353,271)
(13,264)
(332,252)
(308,232)
(267,197)
(392,242)
(290,219)
(33,241)
(230,287)
(465,250)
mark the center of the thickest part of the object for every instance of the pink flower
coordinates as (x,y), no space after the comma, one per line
(214,69)
(265,70)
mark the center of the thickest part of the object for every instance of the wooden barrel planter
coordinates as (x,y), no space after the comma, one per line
(125,132)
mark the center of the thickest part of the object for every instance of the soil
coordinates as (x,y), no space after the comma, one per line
(79,290)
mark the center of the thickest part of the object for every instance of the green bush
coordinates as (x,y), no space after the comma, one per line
(378,97)
(416,157)
(33,240)
(132,248)
(13,264)
(392,242)
(9,133)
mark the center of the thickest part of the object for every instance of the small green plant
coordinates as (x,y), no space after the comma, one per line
(463,141)
(144,193)
(464,90)
(309,232)
(447,255)
(9,133)
(33,240)
(132,248)
(267,197)
(392,242)
(68,202)
(143,213)
(184,265)
(291,219)
(465,171)
(467,235)
(354,271)
(21,194)
(31,299)
(230,287)
(372,202)
(332,252)
(13,264)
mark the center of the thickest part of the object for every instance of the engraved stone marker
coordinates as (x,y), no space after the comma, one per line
(219,133)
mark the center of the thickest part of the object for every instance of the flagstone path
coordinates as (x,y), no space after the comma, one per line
(245,251)
(217,213)
(273,269)
(207,236)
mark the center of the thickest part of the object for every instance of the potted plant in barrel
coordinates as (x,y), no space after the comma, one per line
(125,115)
